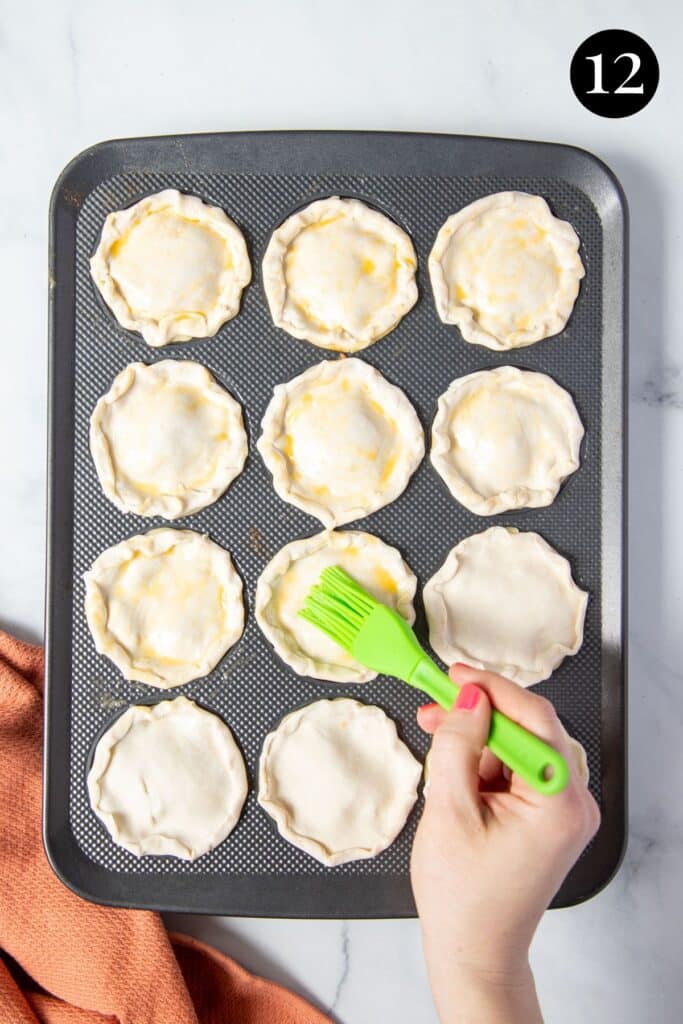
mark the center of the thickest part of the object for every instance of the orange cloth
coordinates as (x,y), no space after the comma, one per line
(66,961)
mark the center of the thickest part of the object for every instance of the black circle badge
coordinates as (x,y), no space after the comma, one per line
(614,73)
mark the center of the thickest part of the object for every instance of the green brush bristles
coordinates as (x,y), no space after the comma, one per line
(338,606)
(339,585)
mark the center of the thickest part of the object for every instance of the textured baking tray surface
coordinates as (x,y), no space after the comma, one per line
(251,689)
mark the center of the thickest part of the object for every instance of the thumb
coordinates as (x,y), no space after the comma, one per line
(456,751)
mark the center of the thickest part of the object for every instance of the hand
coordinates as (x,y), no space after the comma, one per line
(490,852)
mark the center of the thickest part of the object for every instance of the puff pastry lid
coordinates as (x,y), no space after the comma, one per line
(340,441)
(337,780)
(339,274)
(505,439)
(171,267)
(506,271)
(166,439)
(168,778)
(287,579)
(164,606)
(505,601)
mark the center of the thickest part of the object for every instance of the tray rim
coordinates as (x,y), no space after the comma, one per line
(348,152)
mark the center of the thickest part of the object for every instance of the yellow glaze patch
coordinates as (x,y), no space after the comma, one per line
(385,581)
(115,247)
(389,467)
(380,411)
(467,404)
(149,653)
(323,223)
(306,311)
(166,213)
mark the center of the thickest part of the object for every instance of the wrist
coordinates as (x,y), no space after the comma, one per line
(469,987)
(487,996)
(499,956)
(494,976)
(492,994)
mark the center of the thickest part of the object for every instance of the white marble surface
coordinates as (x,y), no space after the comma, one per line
(74,73)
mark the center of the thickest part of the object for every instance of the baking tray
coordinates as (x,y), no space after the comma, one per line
(259,178)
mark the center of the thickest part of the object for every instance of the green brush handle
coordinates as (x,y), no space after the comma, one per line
(536,762)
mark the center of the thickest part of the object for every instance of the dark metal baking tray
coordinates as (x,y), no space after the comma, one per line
(259,178)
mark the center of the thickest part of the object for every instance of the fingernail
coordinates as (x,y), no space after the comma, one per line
(468,698)
(426,707)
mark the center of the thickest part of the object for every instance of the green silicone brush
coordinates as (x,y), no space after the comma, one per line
(379,638)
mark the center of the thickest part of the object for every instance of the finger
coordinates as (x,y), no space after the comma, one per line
(536,714)
(456,754)
(529,709)
(490,767)
(578,759)
(430,717)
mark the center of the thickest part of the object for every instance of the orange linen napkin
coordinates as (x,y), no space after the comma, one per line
(66,961)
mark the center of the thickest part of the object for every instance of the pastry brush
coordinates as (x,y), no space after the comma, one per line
(380,639)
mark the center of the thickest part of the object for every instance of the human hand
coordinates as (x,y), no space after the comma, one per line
(490,852)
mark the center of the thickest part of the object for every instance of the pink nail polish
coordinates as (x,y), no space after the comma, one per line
(468,698)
